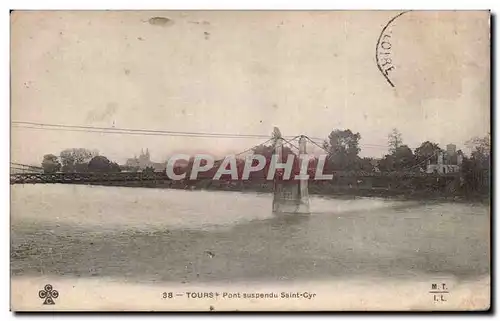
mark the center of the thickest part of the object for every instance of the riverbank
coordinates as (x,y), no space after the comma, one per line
(322,189)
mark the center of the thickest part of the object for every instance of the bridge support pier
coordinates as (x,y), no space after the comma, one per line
(291,196)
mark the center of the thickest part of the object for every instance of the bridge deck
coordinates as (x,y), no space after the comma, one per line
(68,178)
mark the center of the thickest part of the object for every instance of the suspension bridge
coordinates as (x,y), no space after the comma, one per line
(289,195)
(30,174)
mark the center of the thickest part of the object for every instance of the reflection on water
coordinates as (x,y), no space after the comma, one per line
(153,235)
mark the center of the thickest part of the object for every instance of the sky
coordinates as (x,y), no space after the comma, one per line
(244,73)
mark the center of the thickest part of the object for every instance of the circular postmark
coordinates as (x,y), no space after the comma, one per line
(428,55)
(383,50)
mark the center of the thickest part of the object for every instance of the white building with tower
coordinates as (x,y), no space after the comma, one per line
(449,161)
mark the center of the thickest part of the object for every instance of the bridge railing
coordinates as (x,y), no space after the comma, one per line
(21,178)
(84,177)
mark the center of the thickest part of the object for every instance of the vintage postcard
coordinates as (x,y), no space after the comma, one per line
(250,161)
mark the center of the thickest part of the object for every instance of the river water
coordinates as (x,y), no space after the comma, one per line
(147,236)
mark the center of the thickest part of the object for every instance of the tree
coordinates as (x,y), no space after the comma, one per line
(76,159)
(481,149)
(403,158)
(148,170)
(267,151)
(102,164)
(427,151)
(400,159)
(387,164)
(366,164)
(343,149)
(264,150)
(115,168)
(50,164)
(394,140)
(476,168)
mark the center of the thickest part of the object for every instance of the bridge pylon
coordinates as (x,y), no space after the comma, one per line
(290,196)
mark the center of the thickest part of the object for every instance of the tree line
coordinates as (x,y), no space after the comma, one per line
(78,160)
(342,147)
(343,153)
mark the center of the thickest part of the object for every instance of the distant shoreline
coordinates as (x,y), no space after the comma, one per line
(333,191)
